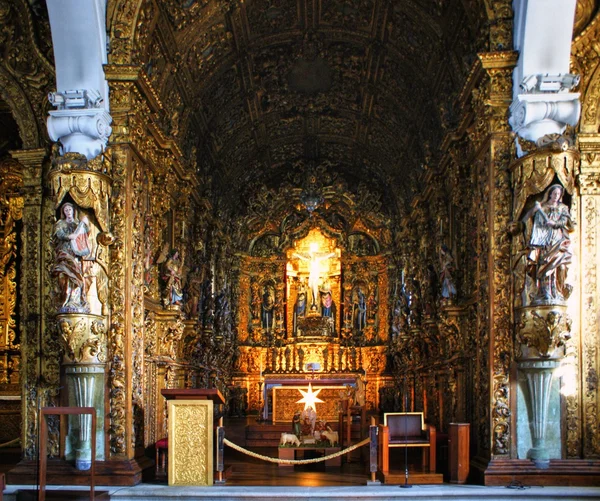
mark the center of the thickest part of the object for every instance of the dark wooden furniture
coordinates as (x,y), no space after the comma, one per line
(458,452)
(290,453)
(63,412)
(162,446)
(194,394)
(406,429)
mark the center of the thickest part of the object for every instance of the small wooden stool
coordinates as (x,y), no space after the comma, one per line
(162,449)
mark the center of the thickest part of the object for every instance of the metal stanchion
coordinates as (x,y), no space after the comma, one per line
(373,453)
(220,453)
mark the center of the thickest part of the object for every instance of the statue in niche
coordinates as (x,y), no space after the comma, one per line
(414,304)
(372,303)
(172,276)
(72,261)
(359,309)
(447,268)
(193,292)
(267,307)
(550,246)
(328,307)
(299,309)
(314,259)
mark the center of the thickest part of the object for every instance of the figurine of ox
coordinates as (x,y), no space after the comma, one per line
(289,438)
(331,436)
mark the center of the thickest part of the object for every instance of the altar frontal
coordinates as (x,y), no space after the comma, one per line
(285,402)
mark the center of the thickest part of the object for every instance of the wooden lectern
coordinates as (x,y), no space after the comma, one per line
(191,434)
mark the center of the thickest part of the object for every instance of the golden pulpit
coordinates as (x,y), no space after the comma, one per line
(191,435)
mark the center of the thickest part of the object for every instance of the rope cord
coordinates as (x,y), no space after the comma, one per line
(296,461)
(12,442)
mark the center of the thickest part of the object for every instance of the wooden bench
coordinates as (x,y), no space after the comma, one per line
(406,429)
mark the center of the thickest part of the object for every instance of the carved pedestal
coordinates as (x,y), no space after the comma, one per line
(541,331)
(539,374)
(84,340)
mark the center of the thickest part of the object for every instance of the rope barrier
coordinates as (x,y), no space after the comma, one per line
(12,442)
(295,461)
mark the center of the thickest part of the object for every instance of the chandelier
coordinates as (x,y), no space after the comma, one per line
(311,196)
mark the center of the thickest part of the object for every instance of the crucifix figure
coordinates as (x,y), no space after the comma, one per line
(314,258)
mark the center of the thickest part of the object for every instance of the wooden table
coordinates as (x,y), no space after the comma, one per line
(290,453)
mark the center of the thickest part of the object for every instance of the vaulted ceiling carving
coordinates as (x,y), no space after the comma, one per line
(253,89)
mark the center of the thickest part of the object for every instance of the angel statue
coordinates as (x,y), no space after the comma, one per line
(72,252)
(172,275)
(550,246)
(447,268)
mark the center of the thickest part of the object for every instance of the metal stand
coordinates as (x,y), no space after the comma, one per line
(406,485)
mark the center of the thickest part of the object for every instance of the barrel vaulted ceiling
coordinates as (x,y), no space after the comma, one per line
(257,90)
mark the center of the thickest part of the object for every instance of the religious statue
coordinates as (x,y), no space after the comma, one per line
(447,267)
(296,424)
(172,277)
(550,246)
(70,268)
(193,291)
(359,310)
(267,308)
(309,420)
(328,309)
(314,259)
(299,309)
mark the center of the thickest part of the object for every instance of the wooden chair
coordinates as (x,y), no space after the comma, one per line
(406,429)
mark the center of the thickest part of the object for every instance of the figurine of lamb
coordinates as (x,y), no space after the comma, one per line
(289,438)
(331,436)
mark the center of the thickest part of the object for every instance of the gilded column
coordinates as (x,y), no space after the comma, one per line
(32,304)
(499,66)
(589,185)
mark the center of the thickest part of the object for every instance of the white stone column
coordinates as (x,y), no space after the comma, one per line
(81,121)
(542,101)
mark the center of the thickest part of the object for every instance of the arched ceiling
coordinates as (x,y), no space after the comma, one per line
(261,89)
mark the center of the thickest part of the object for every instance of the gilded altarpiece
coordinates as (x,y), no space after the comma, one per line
(315,312)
